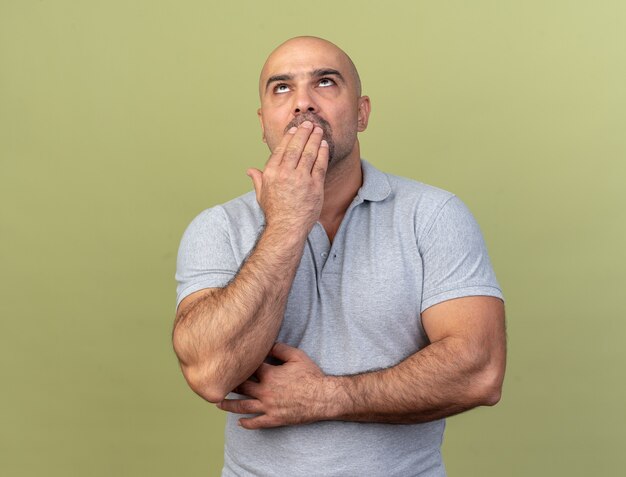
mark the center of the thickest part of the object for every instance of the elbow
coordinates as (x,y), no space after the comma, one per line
(492,396)
(200,381)
(490,387)
(199,373)
(212,394)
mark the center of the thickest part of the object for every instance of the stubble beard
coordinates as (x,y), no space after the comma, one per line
(327,133)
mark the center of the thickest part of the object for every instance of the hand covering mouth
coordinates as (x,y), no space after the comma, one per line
(315,119)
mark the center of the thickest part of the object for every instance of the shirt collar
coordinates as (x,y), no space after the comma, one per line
(376,185)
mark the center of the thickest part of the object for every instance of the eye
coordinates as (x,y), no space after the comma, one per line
(281,88)
(326,82)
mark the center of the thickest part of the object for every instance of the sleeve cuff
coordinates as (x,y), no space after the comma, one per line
(474,290)
(217,281)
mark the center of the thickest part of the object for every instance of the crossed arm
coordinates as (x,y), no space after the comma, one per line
(221,336)
(462,368)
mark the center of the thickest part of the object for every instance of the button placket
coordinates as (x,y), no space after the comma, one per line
(320,246)
(333,249)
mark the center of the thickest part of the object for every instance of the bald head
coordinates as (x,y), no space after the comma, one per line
(311,79)
(300,49)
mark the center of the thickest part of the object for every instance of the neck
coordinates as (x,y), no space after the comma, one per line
(343,180)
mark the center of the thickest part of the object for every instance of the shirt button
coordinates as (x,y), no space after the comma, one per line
(324,255)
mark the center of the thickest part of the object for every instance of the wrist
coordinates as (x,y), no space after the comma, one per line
(285,234)
(337,402)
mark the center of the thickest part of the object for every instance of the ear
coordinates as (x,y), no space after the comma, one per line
(365,108)
(259,113)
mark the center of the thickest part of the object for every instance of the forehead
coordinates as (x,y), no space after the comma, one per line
(302,57)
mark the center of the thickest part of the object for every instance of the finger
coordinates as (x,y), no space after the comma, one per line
(285,352)
(311,149)
(248,388)
(321,164)
(294,149)
(241,406)
(260,422)
(277,154)
(257,181)
(262,370)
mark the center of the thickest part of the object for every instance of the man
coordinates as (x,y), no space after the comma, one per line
(347,310)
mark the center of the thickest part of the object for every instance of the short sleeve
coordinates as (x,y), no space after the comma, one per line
(205,256)
(455,259)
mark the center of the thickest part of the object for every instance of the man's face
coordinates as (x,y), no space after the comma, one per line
(311,79)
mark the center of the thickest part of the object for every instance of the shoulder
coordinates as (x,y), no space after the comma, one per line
(402,190)
(410,198)
(238,212)
(415,192)
(427,204)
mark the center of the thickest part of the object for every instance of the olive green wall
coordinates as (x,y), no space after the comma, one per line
(121,120)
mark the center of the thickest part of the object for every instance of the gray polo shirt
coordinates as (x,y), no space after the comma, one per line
(355,306)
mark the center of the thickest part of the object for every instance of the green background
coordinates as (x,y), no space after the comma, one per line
(121,120)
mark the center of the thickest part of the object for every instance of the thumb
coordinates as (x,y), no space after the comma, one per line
(257,180)
(285,352)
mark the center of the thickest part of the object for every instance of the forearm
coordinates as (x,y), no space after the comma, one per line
(224,336)
(438,381)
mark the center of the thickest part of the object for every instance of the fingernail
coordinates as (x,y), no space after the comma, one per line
(324,143)
(239,424)
(307,124)
(292,130)
(317,130)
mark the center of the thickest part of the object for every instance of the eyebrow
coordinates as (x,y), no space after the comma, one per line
(276,78)
(326,72)
(318,73)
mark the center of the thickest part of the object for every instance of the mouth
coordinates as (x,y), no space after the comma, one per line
(315,119)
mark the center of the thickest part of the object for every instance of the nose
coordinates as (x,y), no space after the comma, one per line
(304,102)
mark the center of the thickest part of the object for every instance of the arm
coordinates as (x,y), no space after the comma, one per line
(462,368)
(222,335)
